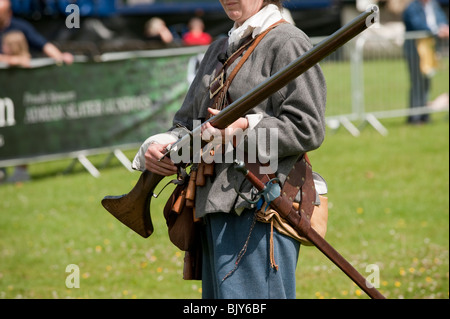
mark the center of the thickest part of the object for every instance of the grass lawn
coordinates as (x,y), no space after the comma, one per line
(389,207)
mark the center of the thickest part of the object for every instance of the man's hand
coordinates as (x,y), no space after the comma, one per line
(60,57)
(443,32)
(164,167)
(239,124)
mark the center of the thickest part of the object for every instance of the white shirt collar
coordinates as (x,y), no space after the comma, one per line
(255,24)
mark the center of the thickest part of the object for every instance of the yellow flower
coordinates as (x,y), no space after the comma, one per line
(98,248)
(397,284)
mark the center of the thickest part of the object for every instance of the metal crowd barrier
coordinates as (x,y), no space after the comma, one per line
(101,106)
(368,80)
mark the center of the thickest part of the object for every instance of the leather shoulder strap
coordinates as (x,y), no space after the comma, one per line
(218,93)
(250,50)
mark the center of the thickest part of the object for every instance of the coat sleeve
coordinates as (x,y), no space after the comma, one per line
(440,15)
(296,113)
(196,101)
(414,18)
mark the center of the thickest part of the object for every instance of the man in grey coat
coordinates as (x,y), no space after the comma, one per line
(236,249)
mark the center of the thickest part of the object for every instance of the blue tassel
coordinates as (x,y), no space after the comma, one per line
(260,203)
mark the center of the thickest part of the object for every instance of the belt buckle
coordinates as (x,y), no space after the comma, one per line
(218,79)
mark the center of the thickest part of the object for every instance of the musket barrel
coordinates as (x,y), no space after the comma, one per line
(264,90)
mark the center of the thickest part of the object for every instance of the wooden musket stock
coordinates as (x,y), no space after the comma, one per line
(132,209)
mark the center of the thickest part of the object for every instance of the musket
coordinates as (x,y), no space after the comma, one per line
(302,225)
(133,209)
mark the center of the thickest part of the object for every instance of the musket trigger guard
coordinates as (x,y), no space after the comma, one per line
(264,193)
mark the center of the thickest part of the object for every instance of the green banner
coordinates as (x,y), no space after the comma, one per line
(63,109)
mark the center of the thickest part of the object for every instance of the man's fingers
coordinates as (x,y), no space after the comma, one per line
(213,111)
(153,161)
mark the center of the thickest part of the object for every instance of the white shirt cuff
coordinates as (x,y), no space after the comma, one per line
(163,138)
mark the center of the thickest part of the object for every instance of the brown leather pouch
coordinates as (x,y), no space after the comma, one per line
(181,225)
(184,231)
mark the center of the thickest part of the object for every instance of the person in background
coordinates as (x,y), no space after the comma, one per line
(157,30)
(196,34)
(422,15)
(15,53)
(15,49)
(10,28)
(35,40)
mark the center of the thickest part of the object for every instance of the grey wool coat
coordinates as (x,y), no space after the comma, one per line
(296,112)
